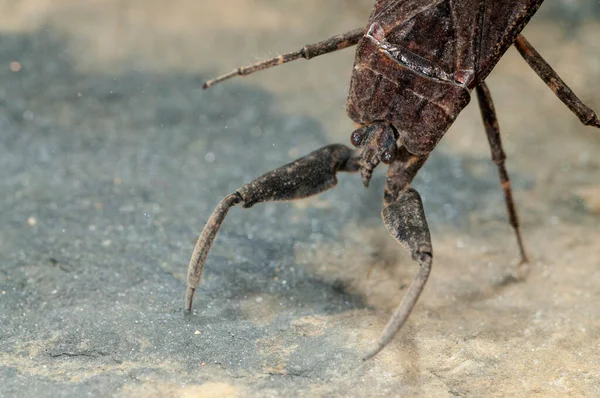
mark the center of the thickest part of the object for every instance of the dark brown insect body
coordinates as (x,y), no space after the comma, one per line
(416,64)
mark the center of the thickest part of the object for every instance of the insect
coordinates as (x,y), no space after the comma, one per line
(416,65)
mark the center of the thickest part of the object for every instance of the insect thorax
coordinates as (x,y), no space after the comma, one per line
(420,107)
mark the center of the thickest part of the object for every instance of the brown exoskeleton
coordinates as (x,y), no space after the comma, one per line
(416,64)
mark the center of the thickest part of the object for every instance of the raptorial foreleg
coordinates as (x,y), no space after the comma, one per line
(405,221)
(307,176)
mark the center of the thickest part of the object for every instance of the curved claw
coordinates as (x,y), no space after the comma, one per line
(196,264)
(307,176)
(404,309)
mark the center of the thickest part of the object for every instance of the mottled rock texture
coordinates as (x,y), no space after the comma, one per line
(112,159)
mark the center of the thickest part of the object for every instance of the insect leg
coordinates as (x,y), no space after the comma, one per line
(556,84)
(492,129)
(307,176)
(401,173)
(309,51)
(405,221)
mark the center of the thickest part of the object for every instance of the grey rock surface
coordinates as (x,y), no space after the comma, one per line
(112,158)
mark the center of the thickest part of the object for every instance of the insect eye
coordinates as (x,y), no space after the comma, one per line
(388,156)
(357,136)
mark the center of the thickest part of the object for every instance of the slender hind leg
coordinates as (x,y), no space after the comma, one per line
(309,51)
(304,177)
(492,129)
(556,84)
(405,220)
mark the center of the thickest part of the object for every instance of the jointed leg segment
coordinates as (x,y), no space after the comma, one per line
(556,84)
(405,221)
(401,173)
(309,51)
(304,177)
(492,129)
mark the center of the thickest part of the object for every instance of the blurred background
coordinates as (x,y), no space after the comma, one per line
(112,158)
